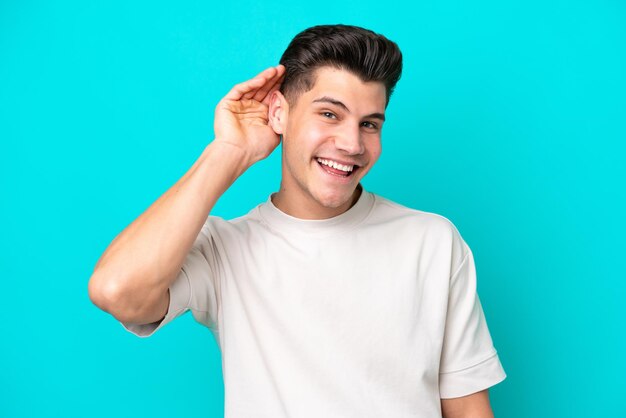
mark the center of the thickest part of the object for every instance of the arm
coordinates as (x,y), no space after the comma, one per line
(475,405)
(132,277)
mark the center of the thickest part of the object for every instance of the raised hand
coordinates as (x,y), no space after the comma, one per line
(241,117)
(132,278)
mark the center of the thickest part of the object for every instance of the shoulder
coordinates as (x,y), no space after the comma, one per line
(390,211)
(430,226)
(241,225)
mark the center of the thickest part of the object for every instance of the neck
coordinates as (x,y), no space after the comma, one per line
(309,208)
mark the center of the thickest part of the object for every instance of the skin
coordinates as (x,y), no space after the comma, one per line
(132,277)
(476,405)
(314,127)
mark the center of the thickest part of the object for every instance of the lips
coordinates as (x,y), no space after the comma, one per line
(340,162)
(336,172)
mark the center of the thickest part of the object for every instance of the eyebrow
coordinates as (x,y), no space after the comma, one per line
(326,99)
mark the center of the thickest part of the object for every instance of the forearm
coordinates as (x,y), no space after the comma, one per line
(146,256)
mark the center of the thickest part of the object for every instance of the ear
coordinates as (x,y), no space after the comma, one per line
(278,112)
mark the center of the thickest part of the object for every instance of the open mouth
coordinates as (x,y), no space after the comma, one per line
(336,169)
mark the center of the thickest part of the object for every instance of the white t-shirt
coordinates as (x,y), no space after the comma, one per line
(372,313)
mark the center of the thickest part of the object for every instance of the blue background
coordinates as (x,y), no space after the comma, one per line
(509,120)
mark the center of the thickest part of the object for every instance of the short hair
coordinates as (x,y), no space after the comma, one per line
(366,54)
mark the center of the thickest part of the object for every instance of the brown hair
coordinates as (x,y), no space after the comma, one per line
(368,55)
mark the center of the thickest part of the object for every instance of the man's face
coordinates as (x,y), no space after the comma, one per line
(338,121)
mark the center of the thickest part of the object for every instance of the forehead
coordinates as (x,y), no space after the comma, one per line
(347,88)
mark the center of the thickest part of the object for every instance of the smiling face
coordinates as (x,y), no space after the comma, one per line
(331,139)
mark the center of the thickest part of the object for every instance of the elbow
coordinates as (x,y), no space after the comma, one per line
(103,292)
(109,295)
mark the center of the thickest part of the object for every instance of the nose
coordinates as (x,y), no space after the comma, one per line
(350,141)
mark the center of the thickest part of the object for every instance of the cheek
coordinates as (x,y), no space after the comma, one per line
(375,150)
(316,133)
(308,140)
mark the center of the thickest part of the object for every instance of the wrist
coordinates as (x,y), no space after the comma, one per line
(229,154)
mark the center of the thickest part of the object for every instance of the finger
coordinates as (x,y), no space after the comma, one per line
(239,90)
(266,75)
(264,91)
(268,97)
(268,80)
(280,71)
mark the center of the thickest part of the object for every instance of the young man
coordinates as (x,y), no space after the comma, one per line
(326,300)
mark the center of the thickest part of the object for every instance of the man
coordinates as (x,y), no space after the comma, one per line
(326,300)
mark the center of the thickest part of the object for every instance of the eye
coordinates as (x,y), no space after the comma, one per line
(332,115)
(370,125)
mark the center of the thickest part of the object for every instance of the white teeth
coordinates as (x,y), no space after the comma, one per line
(335,165)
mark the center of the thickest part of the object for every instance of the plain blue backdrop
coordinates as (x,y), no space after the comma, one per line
(509,120)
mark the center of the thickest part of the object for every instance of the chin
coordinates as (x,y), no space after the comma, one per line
(334,199)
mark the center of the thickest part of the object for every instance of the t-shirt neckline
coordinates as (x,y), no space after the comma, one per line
(279,220)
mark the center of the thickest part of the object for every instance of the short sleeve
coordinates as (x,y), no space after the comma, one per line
(469,361)
(193,289)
